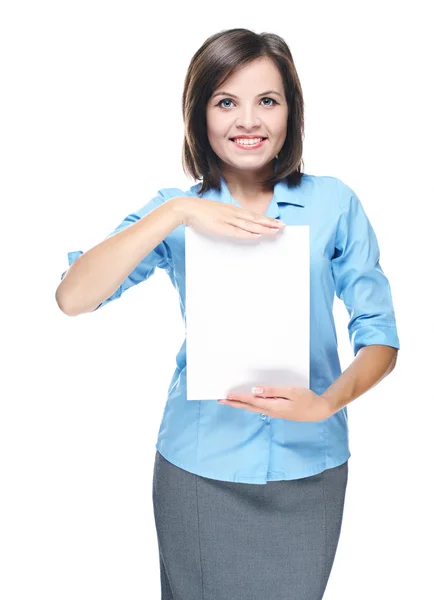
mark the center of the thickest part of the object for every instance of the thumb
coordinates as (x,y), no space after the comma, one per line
(270,392)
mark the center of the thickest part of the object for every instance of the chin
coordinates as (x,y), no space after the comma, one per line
(250,165)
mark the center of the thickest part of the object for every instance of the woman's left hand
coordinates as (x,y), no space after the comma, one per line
(292,403)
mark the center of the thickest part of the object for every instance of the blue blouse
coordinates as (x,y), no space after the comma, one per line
(230,444)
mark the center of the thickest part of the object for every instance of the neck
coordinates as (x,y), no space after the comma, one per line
(247,184)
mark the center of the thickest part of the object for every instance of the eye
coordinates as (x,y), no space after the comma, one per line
(272,100)
(270,103)
(224,100)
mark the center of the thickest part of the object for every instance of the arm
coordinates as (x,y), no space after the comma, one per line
(370,366)
(98,273)
(364,288)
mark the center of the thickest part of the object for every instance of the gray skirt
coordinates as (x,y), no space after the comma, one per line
(222,540)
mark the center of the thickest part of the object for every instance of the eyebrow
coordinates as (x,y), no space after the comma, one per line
(236,97)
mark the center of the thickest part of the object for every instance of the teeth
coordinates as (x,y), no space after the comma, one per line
(247,142)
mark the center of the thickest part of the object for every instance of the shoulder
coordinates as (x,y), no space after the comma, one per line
(162,196)
(172,192)
(330,188)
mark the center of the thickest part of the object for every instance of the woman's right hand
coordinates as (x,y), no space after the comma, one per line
(208,216)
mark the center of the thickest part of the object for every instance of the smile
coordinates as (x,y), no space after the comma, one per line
(248,144)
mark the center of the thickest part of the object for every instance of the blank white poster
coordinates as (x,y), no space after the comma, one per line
(247,312)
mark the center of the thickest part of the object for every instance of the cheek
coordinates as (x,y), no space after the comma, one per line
(279,124)
(216,134)
(280,128)
(218,124)
(212,128)
(213,139)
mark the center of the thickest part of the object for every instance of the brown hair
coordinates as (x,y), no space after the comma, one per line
(218,57)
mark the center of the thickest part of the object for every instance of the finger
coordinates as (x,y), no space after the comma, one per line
(248,215)
(258,222)
(262,219)
(273,392)
(234,231)
(242,397)
(269,227)
(246,399)
(245,405)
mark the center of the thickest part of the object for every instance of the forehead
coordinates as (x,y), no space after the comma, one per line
(261,72)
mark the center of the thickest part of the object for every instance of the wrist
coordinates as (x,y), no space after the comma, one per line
(179,206)
(330,403)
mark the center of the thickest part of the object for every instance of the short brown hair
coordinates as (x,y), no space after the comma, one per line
(218,57)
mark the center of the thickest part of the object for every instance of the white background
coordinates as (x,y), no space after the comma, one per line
(91,128)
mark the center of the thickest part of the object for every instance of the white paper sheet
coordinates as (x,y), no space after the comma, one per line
(247,312)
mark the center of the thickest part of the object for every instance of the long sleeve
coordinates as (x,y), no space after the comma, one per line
(359,279)
(159,257)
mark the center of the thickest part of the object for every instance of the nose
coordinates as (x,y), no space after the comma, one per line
(247,118)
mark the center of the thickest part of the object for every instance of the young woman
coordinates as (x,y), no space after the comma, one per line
(249,492)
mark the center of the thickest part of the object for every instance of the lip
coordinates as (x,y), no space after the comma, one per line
(249,147)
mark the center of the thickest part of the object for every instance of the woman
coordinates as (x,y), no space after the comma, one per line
(249,491)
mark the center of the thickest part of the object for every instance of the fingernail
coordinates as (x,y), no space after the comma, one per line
(257,390)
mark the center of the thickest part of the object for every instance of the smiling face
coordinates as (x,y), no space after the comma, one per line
(247,108)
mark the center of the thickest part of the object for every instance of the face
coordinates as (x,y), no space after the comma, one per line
(247,108)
